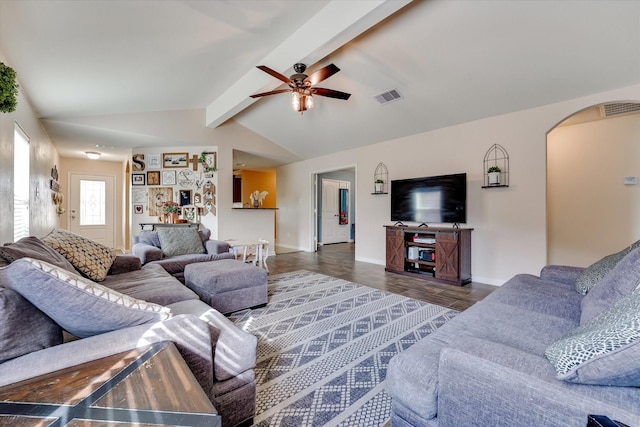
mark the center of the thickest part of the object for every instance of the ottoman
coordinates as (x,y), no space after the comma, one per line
(227,285)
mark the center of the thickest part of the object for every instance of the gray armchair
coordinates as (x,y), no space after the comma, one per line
(181,248)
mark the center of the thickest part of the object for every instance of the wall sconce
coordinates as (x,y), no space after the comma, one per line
(93,155)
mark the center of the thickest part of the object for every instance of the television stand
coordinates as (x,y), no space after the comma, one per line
(437,254)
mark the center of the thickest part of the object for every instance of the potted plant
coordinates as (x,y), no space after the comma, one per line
(8,89)
(378,185)
(494,175)
(171,209)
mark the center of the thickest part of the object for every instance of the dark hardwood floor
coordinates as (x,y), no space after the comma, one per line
(338,260)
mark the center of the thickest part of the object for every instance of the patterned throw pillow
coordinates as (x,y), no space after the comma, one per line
(180,241)
(592,275)
(80,306)
(32,247)
(90,258)
(604,351)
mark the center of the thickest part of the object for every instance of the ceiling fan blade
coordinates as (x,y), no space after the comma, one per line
(273,92)
(330,93)
(322,74)
(274,73)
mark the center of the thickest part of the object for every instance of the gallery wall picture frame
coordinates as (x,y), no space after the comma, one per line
(153,178)
(210,161)
(139,195)
(168,177)
(185,197)
(175,160)
(154,161)
(157,197)
(138,179)
(138,209)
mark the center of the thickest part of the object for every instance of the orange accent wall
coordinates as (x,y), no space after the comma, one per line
(261,181)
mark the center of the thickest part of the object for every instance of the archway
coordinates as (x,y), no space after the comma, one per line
(592,205)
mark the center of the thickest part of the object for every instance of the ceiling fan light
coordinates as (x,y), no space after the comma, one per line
(308,102)
(93,155)
(295,101)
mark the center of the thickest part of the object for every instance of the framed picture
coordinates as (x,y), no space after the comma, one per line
(157,196)
(168,177)
(153,161)
(139,195)
(175,160)
(210,161)
(185,197)
(138,209)
(138,179)
(153,178)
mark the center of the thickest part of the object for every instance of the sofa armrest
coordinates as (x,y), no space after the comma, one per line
(216,246)
(485,383)
(146,253)
(191,336)
(561,273)
(125,264)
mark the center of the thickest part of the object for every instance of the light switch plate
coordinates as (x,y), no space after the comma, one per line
(630,180)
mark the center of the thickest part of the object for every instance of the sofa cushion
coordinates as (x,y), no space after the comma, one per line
(616,284)
(24,328)
(32,247)
(591,275)
(90,258)
(180,241)
(82,307)
(148,237)
(605,350)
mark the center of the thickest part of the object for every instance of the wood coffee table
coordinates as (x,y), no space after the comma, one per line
(143,387)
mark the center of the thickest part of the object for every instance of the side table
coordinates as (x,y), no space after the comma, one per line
(149,386)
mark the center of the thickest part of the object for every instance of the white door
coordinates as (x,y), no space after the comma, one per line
(92,207)
(332,230)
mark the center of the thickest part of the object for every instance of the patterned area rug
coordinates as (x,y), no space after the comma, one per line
(323,349)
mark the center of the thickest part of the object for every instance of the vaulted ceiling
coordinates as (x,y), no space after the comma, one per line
(83,63)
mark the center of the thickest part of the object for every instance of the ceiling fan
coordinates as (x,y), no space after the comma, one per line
(302,86)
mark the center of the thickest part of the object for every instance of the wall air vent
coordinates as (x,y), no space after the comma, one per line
(617,108)
(384,98)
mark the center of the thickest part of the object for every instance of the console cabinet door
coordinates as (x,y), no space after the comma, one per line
(447,256)
(395,250)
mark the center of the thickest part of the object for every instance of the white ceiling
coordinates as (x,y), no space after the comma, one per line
(453,61)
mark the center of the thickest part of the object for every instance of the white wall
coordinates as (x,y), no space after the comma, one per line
(44,157)
(509,224)
(590,210)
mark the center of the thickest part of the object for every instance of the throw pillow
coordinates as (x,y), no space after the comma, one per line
(149,237)
(32,247)
(604,351)
(180,241)
(591,275)
(24,328)
(90,258)
(82,307)
(619,282)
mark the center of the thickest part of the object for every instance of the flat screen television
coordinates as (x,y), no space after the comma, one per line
(433,199)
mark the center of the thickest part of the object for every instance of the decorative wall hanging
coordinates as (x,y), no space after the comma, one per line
(168,177)
(153,161)
(186,178)
(138,162)
(209,161)
(496,167)
(153,178)
(138,179)
(175,160)
(8,89)
(157,197)
(381,179)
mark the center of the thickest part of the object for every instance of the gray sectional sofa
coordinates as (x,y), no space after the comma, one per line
(43,293)
(539,351)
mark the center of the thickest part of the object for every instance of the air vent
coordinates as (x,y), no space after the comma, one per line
(392,95)
(617,108)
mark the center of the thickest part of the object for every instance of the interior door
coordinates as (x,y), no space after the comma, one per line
(92,207)
(333,231)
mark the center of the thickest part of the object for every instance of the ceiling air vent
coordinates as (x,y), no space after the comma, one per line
(617,108)
(392,95)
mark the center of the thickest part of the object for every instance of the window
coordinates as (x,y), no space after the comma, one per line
(20,184)
(92,202)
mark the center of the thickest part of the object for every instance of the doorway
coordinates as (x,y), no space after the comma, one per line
(92,211)
(335,207)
